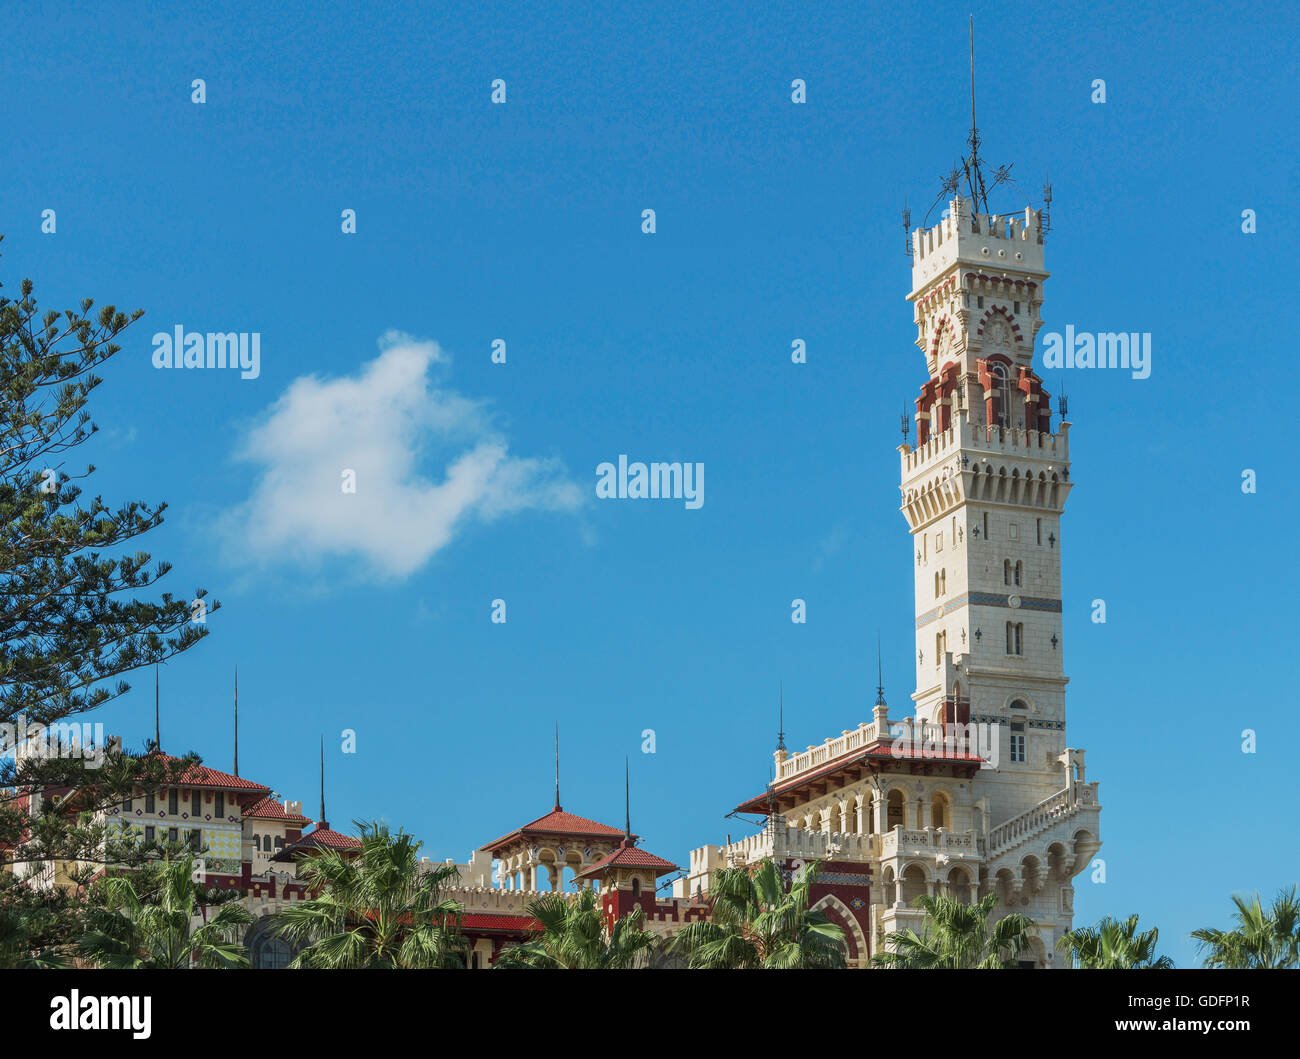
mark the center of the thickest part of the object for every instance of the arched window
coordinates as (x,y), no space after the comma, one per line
(636,887)
(939,811)
(1006,571)
(913,885)
(1016,572)
(894,810)
(959,886)
(1002,387)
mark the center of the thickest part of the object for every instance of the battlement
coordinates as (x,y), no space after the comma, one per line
(996,442)
(1008,241)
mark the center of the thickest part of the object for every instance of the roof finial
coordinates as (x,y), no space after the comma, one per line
(627,798)
(780,732)
(974,177)
(157,739)
(880,674)
(236,720)
(322,781)
(557,766)
(974,133)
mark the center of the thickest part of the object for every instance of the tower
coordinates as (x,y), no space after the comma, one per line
(983,492)
(977,794)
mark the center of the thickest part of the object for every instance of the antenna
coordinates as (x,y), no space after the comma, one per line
(322,781)
(780,733)
(627,798)
(1063,402)
(1045,217)
(906,423)
(557,766)
(974,176)
(907,229)
(157,740)
(236,720)
(971,167)
(880,674)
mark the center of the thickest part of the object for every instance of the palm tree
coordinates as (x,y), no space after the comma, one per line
(1260,939)
(375,906)
(1113,945)
(957,936)
(757,919)
(574,937)
(147,921)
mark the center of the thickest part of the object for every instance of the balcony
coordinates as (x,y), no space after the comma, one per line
(793,843)
(915,737)
(929,842)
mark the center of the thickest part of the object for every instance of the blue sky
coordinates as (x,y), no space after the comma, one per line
(774,222)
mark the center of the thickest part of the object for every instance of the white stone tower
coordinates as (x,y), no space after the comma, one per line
(983,492)
(974,793)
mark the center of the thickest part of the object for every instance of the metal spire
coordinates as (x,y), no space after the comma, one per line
(157,739)
(557,766)
(880,675)
(780,732)
(974,177)
(322,780)
(627,798)
(236,720)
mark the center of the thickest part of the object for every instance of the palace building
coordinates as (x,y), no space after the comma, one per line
(974,790)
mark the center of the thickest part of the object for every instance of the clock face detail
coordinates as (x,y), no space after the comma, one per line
(1013,602)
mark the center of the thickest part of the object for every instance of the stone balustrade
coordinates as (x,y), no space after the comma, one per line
(913,735)
(1050,810)
(928,842)
(786,843)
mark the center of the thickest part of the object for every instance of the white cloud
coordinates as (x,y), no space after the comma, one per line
(393,425)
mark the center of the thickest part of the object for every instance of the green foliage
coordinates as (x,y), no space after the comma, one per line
(147,920)
(73,619)
(757,919)
(38,928)
(70,618)
(574,937)
(1261,939)
(957,936)
(1113,944)
(375,907)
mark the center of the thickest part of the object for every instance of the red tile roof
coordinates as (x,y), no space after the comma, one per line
(202,776)
(494,922)
(558,822)
(321,838)
(629,856)
(270,809)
